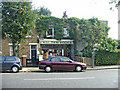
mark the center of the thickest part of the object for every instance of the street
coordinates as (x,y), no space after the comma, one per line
(87,79)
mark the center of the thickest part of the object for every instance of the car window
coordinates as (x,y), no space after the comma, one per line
(16,58)
(2,58)
(64,59)
(55,59)
(48,59)
(10,58)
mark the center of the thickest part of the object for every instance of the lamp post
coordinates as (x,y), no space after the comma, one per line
(93,57)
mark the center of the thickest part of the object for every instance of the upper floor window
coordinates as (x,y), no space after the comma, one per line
(50,32)
(66,33)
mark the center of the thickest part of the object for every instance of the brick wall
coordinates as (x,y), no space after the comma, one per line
(6,47)
(24,43)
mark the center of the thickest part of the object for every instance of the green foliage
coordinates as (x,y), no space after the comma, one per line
(44,11)
(43,23)
(107,58)
(17,21)
(108,44)
(92,31)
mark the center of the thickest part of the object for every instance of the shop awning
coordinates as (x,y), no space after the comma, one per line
(54,41)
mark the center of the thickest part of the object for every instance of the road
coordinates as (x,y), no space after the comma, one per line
(87,79)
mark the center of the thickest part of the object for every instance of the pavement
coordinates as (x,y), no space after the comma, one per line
(36,69)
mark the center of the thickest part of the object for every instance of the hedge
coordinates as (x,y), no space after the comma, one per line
(107,58)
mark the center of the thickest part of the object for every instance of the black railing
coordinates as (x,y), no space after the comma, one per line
(32,62)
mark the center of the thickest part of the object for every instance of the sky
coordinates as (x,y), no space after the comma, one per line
(83,9)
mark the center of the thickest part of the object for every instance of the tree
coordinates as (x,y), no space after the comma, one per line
(116,4)
(17,21)
(108,44)
(44,11)
(87,34)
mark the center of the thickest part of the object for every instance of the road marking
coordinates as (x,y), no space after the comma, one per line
(47,79)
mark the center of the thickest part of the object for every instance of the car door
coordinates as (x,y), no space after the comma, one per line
(8,62)
(67,64)
(56,64)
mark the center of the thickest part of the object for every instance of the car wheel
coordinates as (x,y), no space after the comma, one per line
(78,68)
(15,69)
(48,69)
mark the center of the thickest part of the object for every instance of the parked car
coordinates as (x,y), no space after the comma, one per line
(12,63)
(61,63)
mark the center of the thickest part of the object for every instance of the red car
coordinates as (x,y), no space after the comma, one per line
(61,63)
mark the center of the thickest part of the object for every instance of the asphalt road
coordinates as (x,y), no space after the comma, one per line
(87,79)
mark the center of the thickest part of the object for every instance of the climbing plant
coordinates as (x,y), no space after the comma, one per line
(92,32)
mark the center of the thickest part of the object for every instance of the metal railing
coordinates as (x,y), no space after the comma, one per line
(32,62)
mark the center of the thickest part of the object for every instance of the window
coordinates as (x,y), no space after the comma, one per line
(2,58)
(11,50)
(48,59)
(66,33)
(50,32)
(16,49)
(55,60)
(33,46)
(63,59)
(10,58)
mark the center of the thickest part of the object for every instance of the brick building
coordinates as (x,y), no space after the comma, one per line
(34,46)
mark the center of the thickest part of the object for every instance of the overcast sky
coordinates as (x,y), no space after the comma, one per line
(83,9)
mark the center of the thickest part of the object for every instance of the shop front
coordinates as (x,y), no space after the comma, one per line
(62,47)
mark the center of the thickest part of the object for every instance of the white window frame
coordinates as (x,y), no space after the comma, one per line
(11,50)
(52,35)
(66,33)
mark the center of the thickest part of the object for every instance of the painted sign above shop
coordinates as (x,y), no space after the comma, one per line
(56,41)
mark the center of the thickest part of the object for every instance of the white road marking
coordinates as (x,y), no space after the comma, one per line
(60,78)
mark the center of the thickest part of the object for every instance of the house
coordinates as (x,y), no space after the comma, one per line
(35,46)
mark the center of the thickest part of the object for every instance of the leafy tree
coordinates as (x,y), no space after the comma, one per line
(116,2)
(17,21)
(44,11)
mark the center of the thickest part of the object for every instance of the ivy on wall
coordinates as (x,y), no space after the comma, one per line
(91,31)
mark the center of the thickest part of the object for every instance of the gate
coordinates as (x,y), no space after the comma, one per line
(32,62)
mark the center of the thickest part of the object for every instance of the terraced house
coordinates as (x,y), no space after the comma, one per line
(35,46)
(63,36)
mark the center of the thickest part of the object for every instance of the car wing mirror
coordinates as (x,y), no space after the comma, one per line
(70,61)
